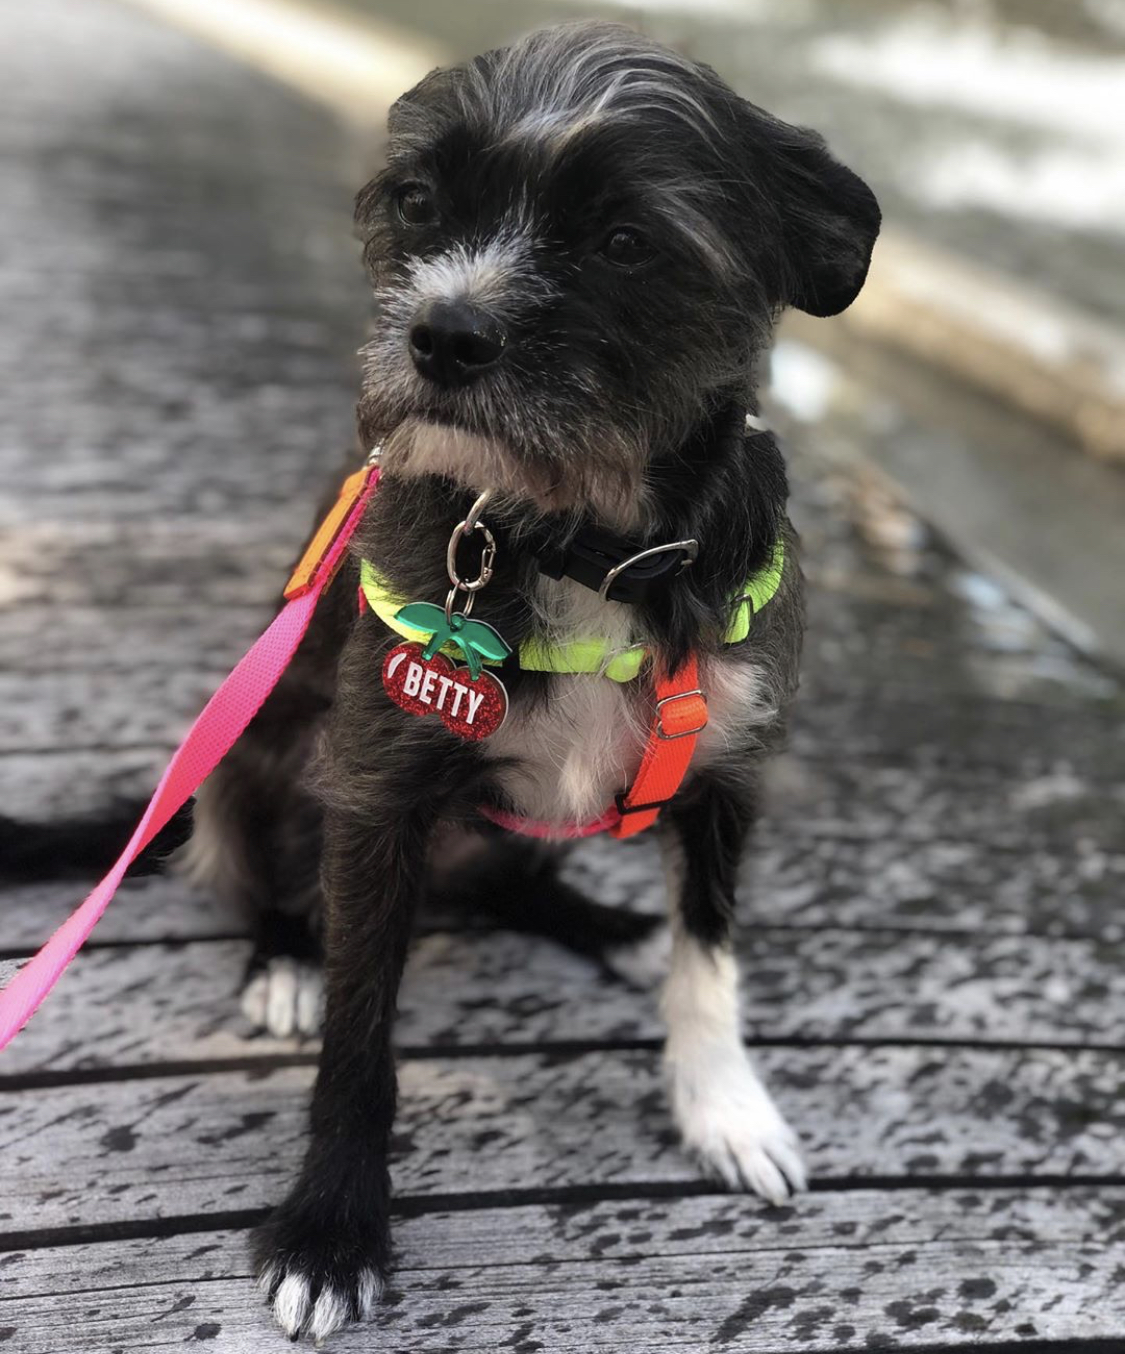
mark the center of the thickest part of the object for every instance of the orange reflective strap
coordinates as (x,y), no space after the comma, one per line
(681,716)
(305,574)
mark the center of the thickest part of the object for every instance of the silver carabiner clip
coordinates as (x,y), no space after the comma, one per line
(458,584)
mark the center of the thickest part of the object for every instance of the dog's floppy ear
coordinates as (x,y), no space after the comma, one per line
(828,218)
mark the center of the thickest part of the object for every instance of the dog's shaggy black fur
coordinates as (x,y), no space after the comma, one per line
(579,246)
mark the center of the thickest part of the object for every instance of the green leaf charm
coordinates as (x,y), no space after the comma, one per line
(487,641)
(477,640)
(422,616)
(425,616)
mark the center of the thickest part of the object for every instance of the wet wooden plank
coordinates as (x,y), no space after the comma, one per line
(152,908)
(945,886)
(113,658)
(1057,824)
(799,875)
(170,1146)
(121,640)
(64,784)
(145,1005)
(854,717)
(831,1271)
(66,572)
(96,600)
(825,793)
(178,362)
(99,707)
(104,711)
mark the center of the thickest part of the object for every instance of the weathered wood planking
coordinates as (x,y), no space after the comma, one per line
(858,721)
(822,794)
(153,907)
(799,876)
(205,574)
(956,784)
(210,342)
(125,640)
(177,1145)
(80,568)
(919,737)
(178,369)
(830,1271)
(1049,890)
(906,801)
(177,1002)
(67,784)
(916,641)
(104,710)
(840,845)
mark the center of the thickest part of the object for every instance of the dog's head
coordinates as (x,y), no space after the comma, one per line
(579,244)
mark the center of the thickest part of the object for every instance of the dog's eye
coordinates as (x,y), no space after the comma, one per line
(415,204)
(627,247)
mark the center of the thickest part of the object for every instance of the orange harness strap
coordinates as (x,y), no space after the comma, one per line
(681,716)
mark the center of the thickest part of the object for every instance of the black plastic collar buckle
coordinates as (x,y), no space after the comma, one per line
(615,569)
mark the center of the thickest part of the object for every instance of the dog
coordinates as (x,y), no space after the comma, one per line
(579,247)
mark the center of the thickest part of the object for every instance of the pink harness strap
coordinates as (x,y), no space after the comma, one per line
(556,832)
(209,739)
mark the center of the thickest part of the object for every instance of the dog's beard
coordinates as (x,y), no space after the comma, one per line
(421,446)
(597,468)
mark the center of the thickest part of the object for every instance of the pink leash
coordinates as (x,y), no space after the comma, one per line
(208,741)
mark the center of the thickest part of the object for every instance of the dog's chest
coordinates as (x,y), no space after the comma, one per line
(565,757)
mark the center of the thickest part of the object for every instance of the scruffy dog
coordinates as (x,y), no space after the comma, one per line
(579,247)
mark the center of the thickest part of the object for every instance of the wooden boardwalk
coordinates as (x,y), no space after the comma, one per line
(933,939)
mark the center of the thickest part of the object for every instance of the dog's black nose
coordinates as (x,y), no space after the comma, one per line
(453,342)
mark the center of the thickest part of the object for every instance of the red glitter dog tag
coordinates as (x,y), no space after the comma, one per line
(471,707)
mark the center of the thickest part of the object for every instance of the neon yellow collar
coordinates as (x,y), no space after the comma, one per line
(585,655)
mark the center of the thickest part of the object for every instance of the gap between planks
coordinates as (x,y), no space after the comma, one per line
(121,1010)
(700,1272)
(493,1126)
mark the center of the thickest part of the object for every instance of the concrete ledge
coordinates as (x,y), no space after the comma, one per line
(1049,359)
(998,484)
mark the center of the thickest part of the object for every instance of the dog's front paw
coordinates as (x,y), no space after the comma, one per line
(317,1280)
(285,997)
(728,1120)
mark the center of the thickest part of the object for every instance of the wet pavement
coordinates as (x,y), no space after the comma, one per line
(933,942)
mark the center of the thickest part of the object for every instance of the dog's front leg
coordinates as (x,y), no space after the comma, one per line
(323,1254)
(724,1112)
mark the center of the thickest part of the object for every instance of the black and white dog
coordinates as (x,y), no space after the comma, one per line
(579,247)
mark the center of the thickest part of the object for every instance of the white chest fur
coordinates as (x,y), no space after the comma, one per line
(571,753)
(568,756)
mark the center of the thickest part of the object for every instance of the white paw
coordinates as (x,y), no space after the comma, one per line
(298,1312)
(727,1118)
(642,965)
(285,998)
